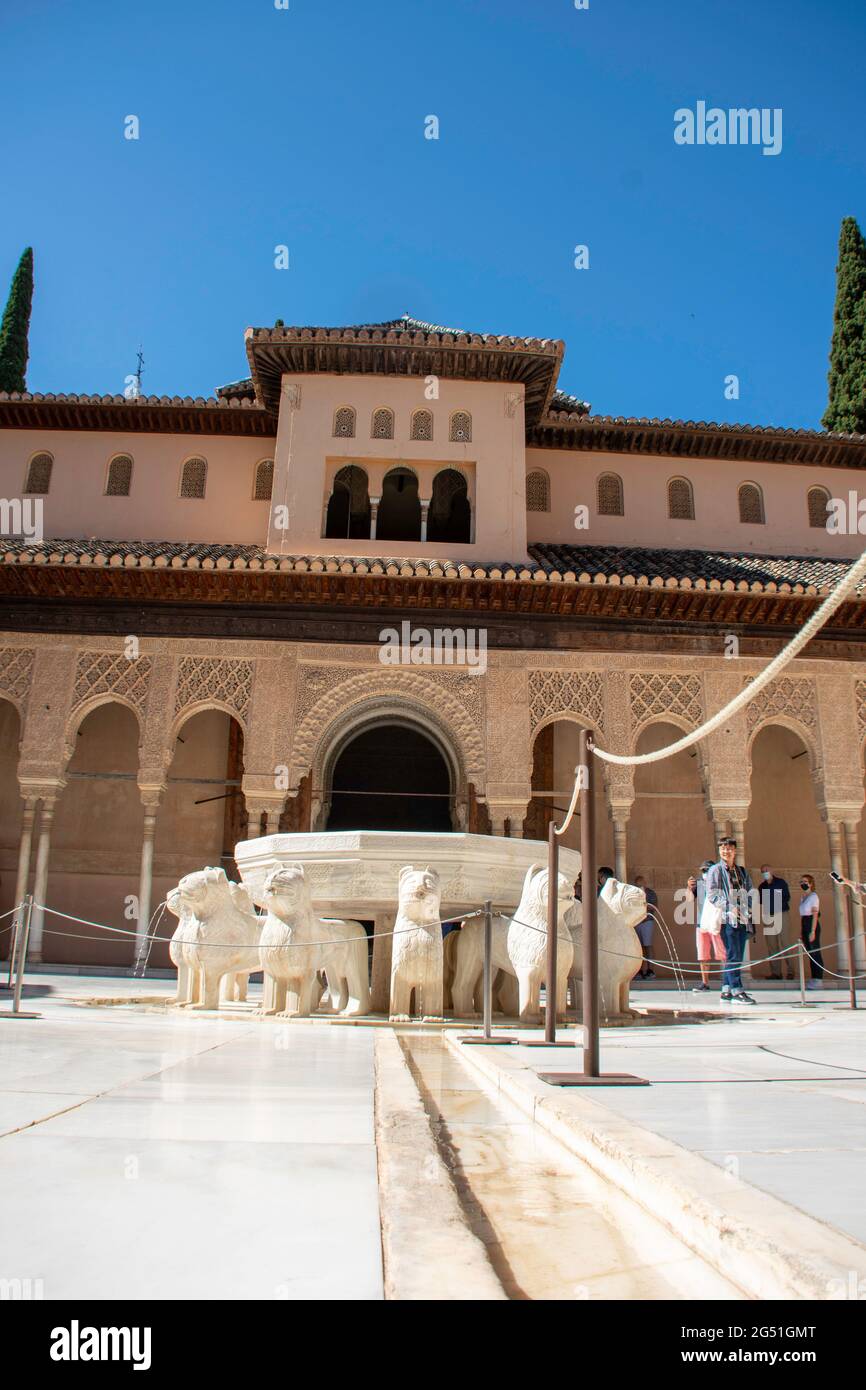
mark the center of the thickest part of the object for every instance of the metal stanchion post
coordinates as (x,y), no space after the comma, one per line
(590,1076)
(551,1000)
(13,948)
(802,958)
(488,969)
(487,986)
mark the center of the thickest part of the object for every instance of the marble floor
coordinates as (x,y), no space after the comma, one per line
(151,1156)
(774,1094)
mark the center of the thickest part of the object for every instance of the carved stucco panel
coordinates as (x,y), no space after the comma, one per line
(224,682)
(16,673)
(566,692)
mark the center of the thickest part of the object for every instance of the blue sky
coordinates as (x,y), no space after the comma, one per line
(305,127)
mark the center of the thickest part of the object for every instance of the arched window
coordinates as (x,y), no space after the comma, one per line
(400,508)
(681,502)
(461,427)
(817,502)
(38,478)
(348,515)
(422,425)
(119,478)
(344,423)
(537,491)
(193,478)
(609,495)
(450,516)
(264,483)
(383,424)
(751,501)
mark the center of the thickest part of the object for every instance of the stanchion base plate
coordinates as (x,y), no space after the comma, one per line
(489,1042)
(579,1078)
(536,1043)
(21,1014)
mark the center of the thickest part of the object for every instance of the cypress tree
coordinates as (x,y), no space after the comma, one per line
(15,326)
(846,408)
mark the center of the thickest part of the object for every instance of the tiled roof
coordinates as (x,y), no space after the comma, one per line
(562,404)
(549,564)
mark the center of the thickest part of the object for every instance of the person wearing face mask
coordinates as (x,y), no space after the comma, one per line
(729,890)
(776,912)
(810,929)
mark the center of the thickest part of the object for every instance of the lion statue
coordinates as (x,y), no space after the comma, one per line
(296,944)
(416,952)
(519,950)
(620,907)
(216,938)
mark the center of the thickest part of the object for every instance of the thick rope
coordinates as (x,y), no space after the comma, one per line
(818,619)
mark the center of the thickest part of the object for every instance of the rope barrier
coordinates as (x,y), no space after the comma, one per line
(818,619)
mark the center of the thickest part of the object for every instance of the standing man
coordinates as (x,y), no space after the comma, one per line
(729,888)
(776,909)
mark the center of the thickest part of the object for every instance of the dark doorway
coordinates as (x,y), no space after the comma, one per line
(400,507)
(390,778)
(348,515)
(450,516)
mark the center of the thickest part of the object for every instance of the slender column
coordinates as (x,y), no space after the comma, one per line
(721,830)
(374,516)
(145,882)
(839,958)
(272,821)
(425,509)
(620,847)
(40,885)
(853,851)
(24,848)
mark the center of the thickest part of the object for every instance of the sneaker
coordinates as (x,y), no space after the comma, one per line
(741,997)
(650,975)
(725,996)
(813,984)
(701,989)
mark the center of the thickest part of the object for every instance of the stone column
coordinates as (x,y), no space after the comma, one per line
(24,848)
(150,798)
(40,884)
(374,516)
(425,509)
(380,983)
(838,958)
(500,812)
(620,846)
(853,851)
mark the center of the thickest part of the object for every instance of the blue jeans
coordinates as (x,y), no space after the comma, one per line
(735,948)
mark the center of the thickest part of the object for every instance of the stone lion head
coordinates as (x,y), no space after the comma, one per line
(626,900)
(196,891)
(533,902)
(286,890)
(419,893)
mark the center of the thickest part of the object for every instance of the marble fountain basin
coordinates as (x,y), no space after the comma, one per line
(354,873)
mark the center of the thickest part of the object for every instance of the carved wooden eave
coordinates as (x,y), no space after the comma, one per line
(287,603)
(696,439)
(140,415)
(534,362)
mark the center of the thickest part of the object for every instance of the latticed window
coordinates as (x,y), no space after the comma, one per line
(422,425)
(537,491)
(264,481)
(193,478)
(344,423)
(817,500)
(383,424)
(461,427)
(119,479)
(751,504)
(609,495)
(681,502)
(39,473)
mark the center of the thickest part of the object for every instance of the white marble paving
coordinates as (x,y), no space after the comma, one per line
(160,1157)
(793,1125)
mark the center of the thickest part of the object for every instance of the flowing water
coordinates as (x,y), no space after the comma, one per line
(553,1228)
